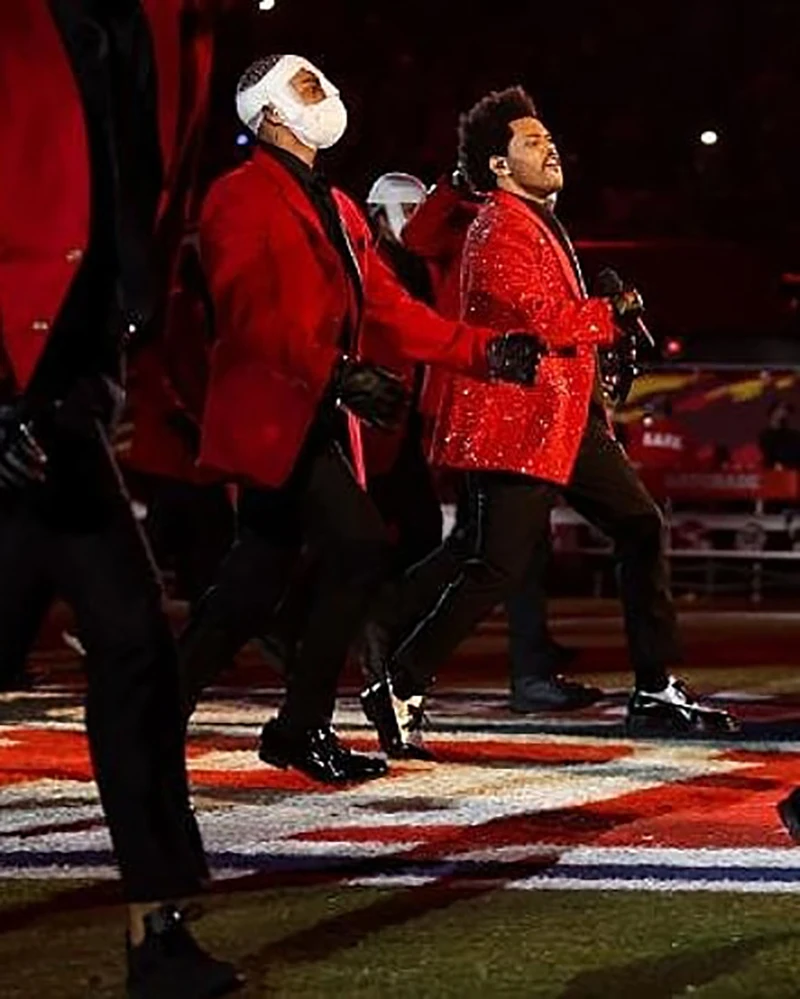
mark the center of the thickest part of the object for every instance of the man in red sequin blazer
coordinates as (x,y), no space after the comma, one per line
(523,446)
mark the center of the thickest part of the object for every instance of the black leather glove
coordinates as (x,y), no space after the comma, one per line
(22,460)
(514,357)
(372,393)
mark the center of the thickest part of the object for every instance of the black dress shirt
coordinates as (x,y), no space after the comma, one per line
(318,191)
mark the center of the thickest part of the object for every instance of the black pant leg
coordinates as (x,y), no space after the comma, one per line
(407,500)
(500,522)
(529,640)
(209,529)
(606,490)
(25,589)
(132,709)
(351,558)
(250,582)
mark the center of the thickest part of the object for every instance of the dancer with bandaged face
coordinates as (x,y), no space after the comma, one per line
(398,477)
(298,288)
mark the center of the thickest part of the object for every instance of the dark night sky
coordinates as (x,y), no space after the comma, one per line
(626,86)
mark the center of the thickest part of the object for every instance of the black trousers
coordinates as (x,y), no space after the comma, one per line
(78,535)
(191,527)
(406,500)
(323,506)
(530,644)
(502,521)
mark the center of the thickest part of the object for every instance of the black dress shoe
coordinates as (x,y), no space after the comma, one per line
(397,722)
(530,694)
(675,711)
(377,704)
(170,964)
(789,811)
(317,753)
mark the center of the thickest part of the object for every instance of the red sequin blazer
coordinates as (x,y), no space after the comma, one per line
(517,276)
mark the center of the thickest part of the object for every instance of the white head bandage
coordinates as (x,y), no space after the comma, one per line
(267,84)
(394,191)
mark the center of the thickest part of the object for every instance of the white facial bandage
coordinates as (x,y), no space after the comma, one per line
(318,126)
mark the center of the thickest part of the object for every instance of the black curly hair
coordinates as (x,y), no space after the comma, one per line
(485,131)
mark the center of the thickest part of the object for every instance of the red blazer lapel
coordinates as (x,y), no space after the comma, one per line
(515,205)
(293,194)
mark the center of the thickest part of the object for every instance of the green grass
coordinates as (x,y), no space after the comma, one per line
(463,941)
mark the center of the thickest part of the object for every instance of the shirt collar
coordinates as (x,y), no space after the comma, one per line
(308,176)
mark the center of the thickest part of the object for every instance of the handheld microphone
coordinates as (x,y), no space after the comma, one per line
(609,285)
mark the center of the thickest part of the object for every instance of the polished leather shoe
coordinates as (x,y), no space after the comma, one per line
(531,694)
(789,811)
(397,722)
(378,706)
(317,753)
(170,964)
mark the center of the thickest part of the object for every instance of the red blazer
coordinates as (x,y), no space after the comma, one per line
(167,380)
(280,297)
(516,275)
(44,163)
(436,232)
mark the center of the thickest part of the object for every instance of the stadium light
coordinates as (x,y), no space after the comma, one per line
(673,347)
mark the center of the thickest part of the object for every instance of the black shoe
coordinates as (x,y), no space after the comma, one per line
(397,722)
(675,711)
(789,811)
(318,754)
(170,964)
(530,694)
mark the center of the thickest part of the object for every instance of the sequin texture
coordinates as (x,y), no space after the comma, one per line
(516,276)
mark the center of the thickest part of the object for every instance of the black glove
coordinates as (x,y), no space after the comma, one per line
(22,460)
(514,357)
(372,393)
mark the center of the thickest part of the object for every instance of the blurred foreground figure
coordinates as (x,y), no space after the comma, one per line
(299,291)
(190,516)
(101,103)
(521,446)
